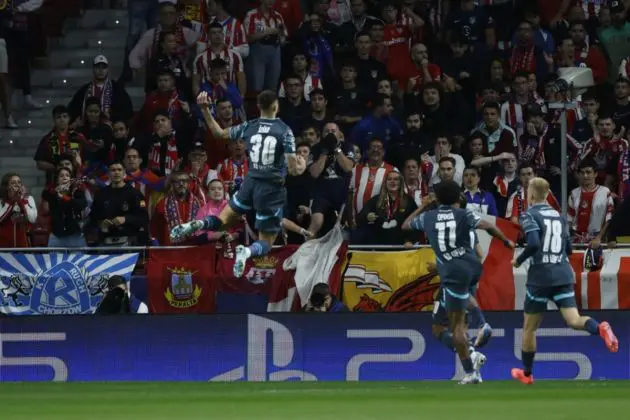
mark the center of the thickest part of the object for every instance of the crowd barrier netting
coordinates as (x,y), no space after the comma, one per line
(283,347)
(180,280)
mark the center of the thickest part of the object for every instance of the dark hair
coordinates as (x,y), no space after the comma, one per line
(447,159)
(318,91)
(577,22)
(375,140)
(221,100)
(622,79)
(303,144)
(521,73)
(58,171)
(588,163)
(590,95)
(432,85)
(526,165)
(473,168)
(163,35)
(266,99)
(293,76)
(563,38)
(215,25)
(217,63)
(444,136)
(165,71)
(161,113)
(308,126)
(60,109)
(605,116)
(492,105)
(92,101)
(447,192)
(373,23)
(120,120)
(349,64)
(4,185)
(319,293)
(115,162)
(362,33)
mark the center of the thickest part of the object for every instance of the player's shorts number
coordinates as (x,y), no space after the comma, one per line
(553,236)
(446,229)
(263,149)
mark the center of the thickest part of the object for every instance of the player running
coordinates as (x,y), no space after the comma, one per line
(448,231)
(550,276)
(271,145)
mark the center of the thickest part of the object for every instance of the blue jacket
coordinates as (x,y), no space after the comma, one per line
(370,127)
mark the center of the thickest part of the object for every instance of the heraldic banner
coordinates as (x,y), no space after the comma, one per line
(181,280)
(56,283)
(390,281)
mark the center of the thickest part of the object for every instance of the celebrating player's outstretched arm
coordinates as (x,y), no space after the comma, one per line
(495,232)
(203,100)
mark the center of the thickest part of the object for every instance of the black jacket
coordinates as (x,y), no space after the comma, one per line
(65,213)
(121,108)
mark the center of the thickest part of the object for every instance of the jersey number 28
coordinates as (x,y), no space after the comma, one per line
(263,149)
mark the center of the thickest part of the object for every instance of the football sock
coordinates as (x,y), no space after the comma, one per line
(467,364)
(477,317)
(259,248)
(446,338)
(528,361)
(592,326)
(212,223)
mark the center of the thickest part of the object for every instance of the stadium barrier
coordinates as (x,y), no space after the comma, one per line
(198,280)
(289,347)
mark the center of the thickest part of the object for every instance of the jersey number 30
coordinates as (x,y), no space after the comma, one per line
(263,149)
(553,236)
(446,229)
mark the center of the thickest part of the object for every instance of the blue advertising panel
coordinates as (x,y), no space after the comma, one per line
(279,347)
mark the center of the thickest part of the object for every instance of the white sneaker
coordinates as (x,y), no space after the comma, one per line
(478,360)
(242,254)
(32,103)
(11,122)
(478,375)
(469,378)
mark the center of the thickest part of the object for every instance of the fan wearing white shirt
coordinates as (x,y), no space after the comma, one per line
(443,146)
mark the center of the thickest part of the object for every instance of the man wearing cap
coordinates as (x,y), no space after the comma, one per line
(115,101)
(198,169)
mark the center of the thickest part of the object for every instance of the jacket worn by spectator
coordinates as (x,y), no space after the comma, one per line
(386,229)
(111,202)
(66,212)
(113,97)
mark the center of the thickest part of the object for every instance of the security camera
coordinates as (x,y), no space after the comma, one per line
(579,79)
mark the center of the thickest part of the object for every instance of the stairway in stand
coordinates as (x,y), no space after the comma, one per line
(56,79)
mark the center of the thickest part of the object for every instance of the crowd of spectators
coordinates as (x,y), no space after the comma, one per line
(385,98)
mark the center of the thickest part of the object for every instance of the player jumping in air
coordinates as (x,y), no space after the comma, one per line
(448,231)
(549,277)
(271,146)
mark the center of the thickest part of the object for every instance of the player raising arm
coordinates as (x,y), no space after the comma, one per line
(448,231)
(271,146)
(550,276)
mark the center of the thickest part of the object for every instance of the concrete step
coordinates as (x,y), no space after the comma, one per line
(103,18)
(22,134)
(25,152)
(65,78)
(93,38)
(80,58)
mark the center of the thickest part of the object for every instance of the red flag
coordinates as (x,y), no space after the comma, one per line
(496,288)
(181,280)
(262,276)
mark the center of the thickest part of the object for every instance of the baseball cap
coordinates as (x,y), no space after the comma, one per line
(101,59)
(533,110)
(198,146)
(616,6)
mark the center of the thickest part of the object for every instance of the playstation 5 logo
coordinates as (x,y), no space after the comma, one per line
(282,350)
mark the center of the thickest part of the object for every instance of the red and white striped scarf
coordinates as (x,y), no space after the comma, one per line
(171,155)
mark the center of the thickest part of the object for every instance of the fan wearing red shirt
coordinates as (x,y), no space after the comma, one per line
(179,206)
(517,202)
(291,11)
(397,38)
(605,148)
(422,71)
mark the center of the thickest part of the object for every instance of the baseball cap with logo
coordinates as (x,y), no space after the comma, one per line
(616,6)
(101,59)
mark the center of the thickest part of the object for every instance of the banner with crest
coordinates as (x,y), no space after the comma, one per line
(56,283)
(390,281)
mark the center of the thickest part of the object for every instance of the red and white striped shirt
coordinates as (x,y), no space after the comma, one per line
(310,83)
(367,182)
(256,22)
(588,211)
(591,8)
(512,115)
(518,203)
(234,61)
(235,36)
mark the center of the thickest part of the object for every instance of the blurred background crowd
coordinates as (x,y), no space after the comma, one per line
(412,91)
